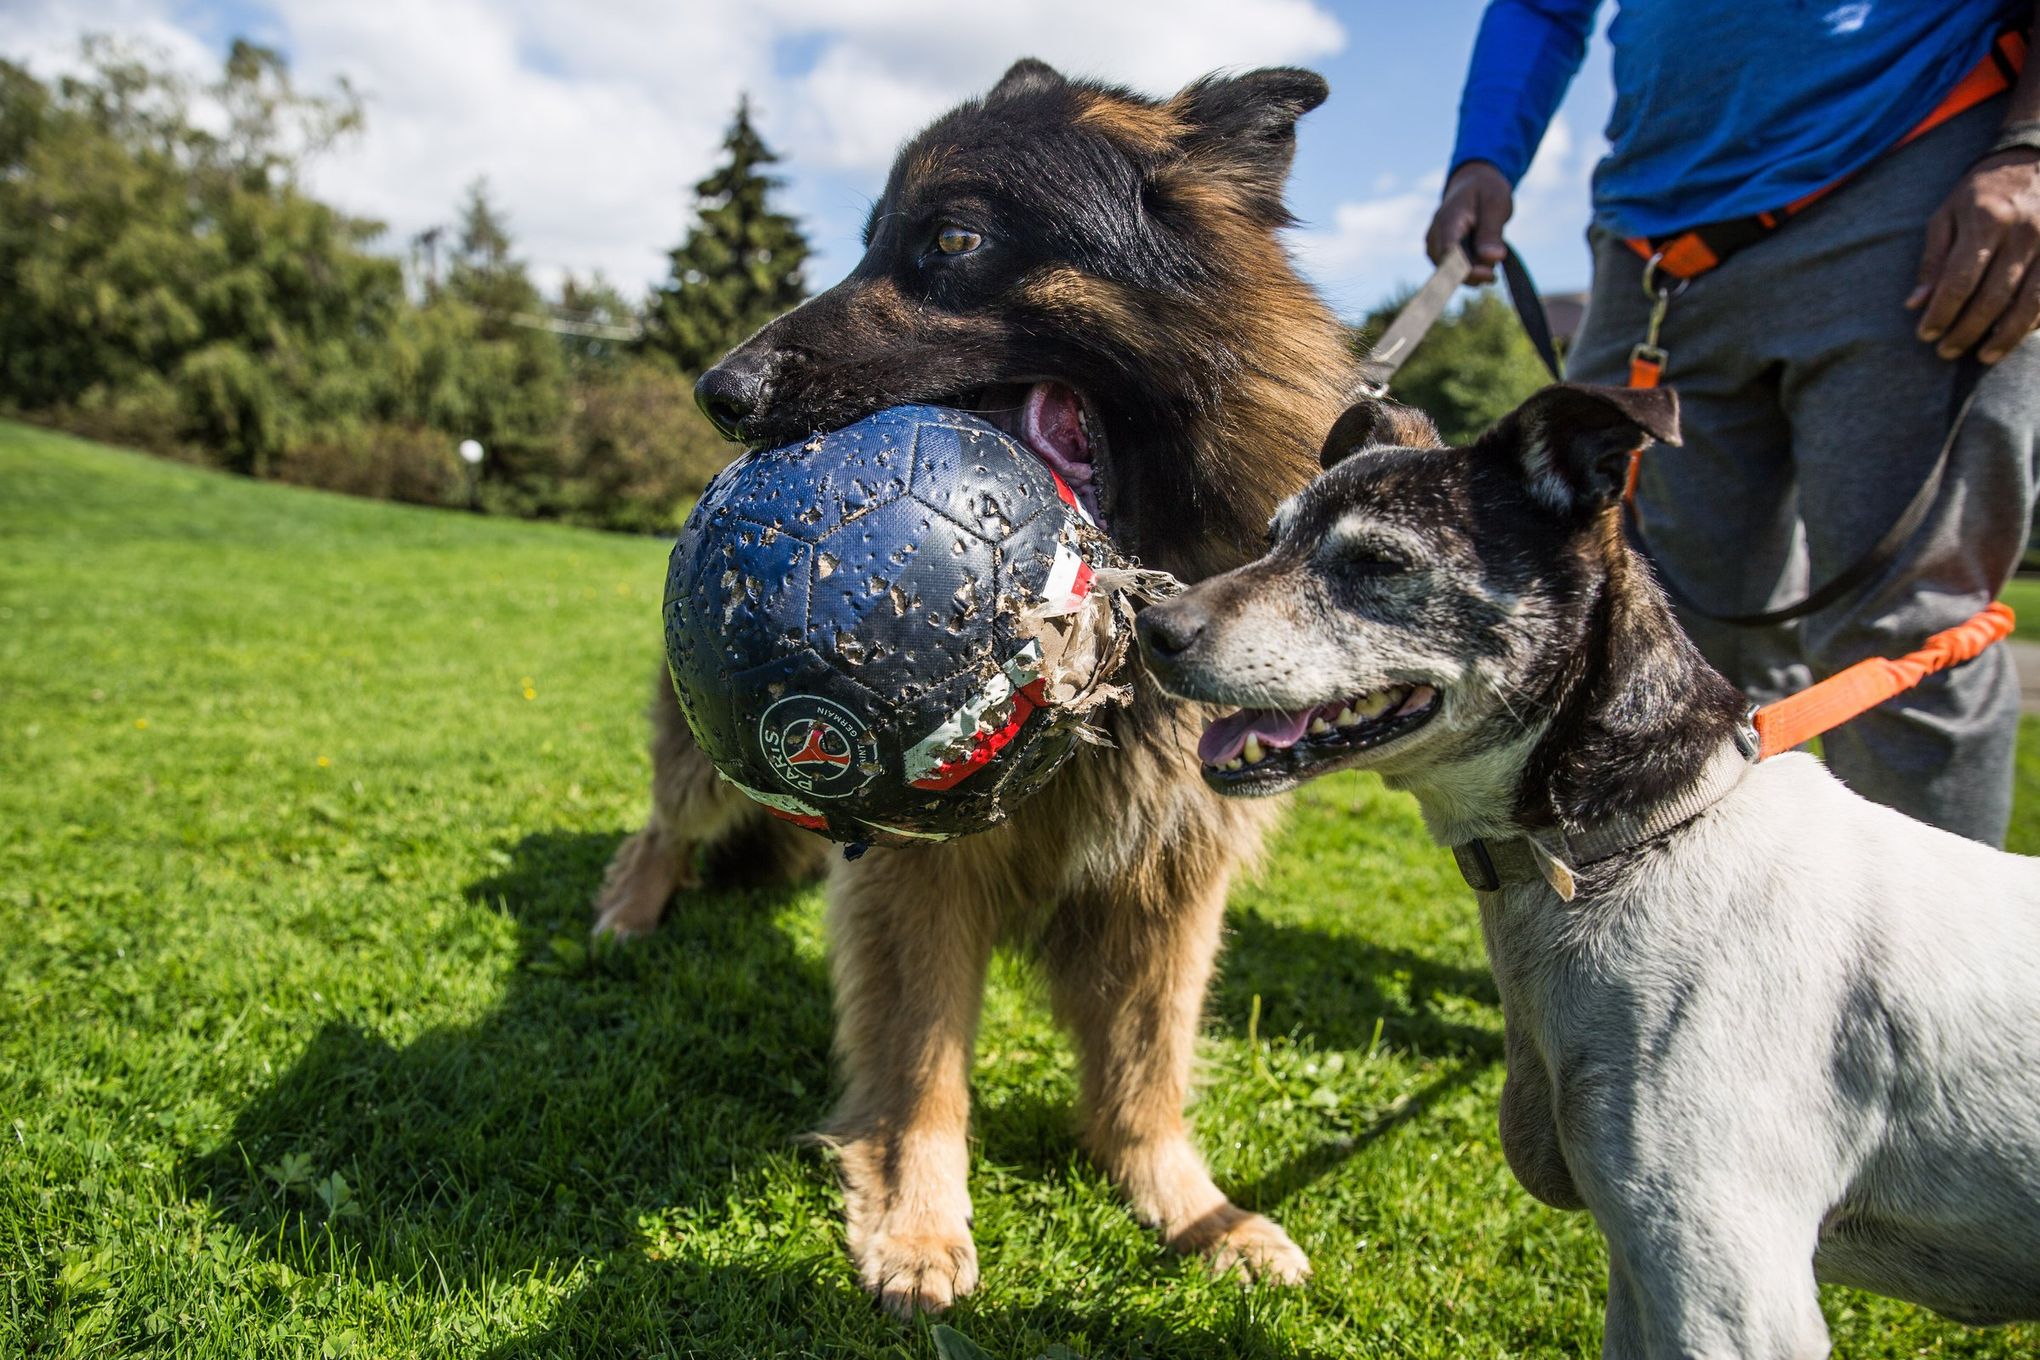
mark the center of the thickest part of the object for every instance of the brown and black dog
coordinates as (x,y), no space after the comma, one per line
(1102,273)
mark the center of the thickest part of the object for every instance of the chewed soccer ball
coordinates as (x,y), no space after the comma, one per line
(892,632)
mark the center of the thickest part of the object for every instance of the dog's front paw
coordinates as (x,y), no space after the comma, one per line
(642,877)
(909,1229)
(1237,1242)
(922,1272)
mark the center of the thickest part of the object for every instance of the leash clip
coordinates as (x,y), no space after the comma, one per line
(1647,361)
(1747,739)
(1664,295)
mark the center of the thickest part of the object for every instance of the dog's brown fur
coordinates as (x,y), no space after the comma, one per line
(1116,876)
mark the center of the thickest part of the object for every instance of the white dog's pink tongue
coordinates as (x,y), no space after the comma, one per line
(1227,737)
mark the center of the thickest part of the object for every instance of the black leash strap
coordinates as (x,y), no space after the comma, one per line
(1881,554)
(1530,311)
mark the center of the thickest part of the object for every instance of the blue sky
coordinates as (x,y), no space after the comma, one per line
(591,119)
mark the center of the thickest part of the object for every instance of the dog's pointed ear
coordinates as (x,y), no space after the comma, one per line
(1375,422)
(1248,123)
(1029,75)
(1572,443)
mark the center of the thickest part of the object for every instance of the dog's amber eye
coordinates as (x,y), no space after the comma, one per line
(957,241)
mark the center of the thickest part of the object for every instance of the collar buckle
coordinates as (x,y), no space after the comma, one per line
(1747,739)
(1477,867)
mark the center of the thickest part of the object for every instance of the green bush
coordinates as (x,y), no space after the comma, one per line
(229,400)
(641,445)
(387,462)
(1474,367)
(171,288)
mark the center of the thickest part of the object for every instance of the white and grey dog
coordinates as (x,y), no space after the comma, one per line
(1767,1032)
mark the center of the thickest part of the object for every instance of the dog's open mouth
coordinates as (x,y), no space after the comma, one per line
(1058,423)
(1258,747)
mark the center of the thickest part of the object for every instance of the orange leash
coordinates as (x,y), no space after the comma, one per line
(1849,693)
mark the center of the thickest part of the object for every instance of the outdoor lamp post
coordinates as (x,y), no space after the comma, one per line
(471,455)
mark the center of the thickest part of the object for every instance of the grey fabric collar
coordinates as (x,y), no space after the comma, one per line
(1490,865)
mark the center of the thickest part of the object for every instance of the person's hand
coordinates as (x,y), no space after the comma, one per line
(1477,201)
(1980,273)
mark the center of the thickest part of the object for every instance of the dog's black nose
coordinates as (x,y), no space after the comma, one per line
(1169,630)
(732,391)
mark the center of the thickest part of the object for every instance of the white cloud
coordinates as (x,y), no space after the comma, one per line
(44,34)
(1375,246)
(591,122)
(890,65)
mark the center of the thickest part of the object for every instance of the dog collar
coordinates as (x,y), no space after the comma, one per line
(1491,865)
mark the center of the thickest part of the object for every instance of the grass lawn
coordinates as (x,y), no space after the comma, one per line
(2022,593)
(303,1051)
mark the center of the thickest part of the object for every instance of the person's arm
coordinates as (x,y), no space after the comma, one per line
(1526,55)
(1979,281)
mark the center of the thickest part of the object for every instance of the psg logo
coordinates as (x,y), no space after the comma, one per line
(818,746)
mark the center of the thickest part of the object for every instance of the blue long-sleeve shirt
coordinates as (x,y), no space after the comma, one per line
(1723,108)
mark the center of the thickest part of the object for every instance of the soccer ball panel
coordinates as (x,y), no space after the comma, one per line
(963,469)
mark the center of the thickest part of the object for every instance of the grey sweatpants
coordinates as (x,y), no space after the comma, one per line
(1811,414)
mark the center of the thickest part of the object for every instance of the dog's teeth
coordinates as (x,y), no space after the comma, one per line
(1373,705)
(1318,727)
(1253,753)
(1235,764)
(1347,718)
(1415,698)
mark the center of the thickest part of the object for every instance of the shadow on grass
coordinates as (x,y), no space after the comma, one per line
(1338,989)
(614,1096)
(606,1085)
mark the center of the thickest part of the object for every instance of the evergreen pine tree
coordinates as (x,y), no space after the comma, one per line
(485,274)
(740,265)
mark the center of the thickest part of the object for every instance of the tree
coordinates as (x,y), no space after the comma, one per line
(1474,367)
(594,321)
(485,275)
(740,266)
(145,257)
(166,281)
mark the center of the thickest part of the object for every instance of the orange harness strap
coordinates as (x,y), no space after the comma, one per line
(1849,693)
(1691,253)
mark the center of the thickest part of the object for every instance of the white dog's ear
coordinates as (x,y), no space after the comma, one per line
(1573,443)
(1029,75)
(1373,422)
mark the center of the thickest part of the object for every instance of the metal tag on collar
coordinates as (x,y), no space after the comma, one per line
(1556,871)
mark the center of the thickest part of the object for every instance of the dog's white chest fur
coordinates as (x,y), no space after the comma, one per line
(1804,1027)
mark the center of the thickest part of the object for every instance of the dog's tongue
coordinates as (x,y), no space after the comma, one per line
(1227,737)
(1052,427)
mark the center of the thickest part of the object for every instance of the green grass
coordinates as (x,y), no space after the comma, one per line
(303,1052)
(2022,593)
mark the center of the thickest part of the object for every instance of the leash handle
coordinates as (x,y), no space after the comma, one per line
(1852,692)
(1429,302)
(1413,323)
